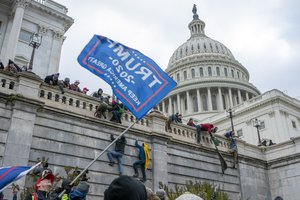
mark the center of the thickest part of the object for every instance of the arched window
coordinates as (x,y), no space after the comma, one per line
(214,102)
(225,72)
(178,77)
(224,102)
(209,71)
(218,71)
(232,73)
(201,72)
(184,75)
(195,104)
(204,103)
(238,75)
(193,73)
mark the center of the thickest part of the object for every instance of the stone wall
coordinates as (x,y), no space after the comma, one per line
(44,123)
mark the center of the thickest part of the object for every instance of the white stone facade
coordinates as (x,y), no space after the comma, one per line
(19,19)
(210,81)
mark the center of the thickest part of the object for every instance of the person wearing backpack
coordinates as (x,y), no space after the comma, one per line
(117,112)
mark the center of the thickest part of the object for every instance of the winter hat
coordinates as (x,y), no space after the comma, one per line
(48,176)
(125,188)
(83,187)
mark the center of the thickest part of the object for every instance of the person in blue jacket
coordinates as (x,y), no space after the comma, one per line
(140,162)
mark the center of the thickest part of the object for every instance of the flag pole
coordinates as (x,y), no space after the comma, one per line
(98,156)
(32,168)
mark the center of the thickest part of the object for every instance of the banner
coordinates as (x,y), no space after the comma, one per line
(10,174)
(135,79)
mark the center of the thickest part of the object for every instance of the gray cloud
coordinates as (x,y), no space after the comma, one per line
(262,35)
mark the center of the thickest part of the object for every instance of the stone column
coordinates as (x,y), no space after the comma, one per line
(240,96)
(10,52)
(159,150)
(29,85)
(178,104)
(199,100)
(188,102)
(170,106)
(247,96)
(221,106)
(209,99)
(55,52)
(163,107)
(230,98)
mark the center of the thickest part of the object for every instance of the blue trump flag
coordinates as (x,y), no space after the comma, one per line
(9,175)
(135,79)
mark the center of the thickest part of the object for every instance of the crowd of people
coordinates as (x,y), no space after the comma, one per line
(12,67)
(122,188)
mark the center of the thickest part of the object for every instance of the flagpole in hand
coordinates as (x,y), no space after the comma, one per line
(97,157)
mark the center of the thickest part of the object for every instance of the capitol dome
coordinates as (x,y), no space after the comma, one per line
(209,78)
(200,45)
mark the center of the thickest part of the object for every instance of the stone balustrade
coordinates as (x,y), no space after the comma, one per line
(84,105)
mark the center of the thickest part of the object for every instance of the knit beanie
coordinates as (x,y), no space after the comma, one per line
(125,188)
(83,187)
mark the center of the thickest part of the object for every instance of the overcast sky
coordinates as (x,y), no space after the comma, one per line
(264,36)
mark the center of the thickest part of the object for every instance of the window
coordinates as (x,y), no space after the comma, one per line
(204,103)
(225,72)
(218,71)
(178,77)
(25,36)
(195,104)
(185,104)
(240,133)
(214,102)
(209,71)
(201,71)
(193,73)
(232,73)
(262,125)
(238,75)
(184,75)
(294,124)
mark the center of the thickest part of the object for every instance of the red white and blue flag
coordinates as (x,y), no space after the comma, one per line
(135,78)
(9,175)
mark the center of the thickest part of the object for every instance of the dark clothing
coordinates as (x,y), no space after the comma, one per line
(1,65)
(118,152)
(120,143)
(125,188)
(41,195)
(140,162)
(191,123)
(117,112)
(51,79)
(141,151)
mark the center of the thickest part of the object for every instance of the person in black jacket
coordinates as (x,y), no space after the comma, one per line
(52,79)
(117,153)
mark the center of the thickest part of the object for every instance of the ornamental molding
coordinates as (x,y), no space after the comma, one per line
(22,3)
(58,35)
(43,29)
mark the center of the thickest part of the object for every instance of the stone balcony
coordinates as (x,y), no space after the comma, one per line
(31,86)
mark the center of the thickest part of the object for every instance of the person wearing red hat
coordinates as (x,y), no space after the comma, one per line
(85,90)
(42,187)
